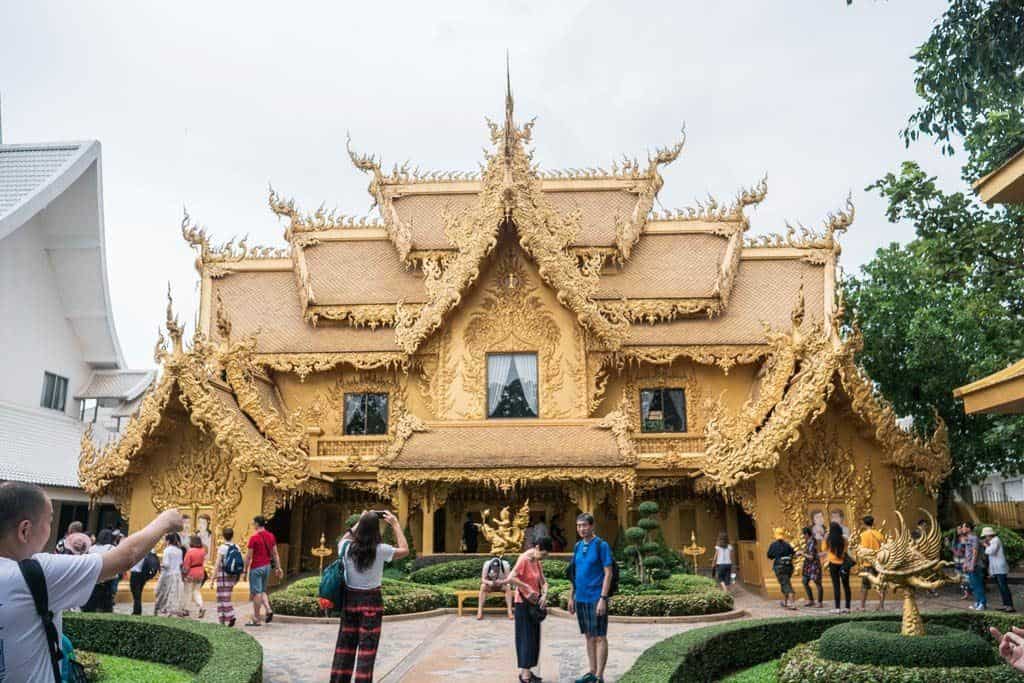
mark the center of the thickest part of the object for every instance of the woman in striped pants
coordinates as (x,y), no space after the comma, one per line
(224,582)
(364,557)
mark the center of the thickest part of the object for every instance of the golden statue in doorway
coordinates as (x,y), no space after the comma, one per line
(504,533)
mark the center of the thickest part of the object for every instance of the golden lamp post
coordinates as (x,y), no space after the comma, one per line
(694,550)
(322,551)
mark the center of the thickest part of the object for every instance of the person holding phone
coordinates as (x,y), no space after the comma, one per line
(364,554)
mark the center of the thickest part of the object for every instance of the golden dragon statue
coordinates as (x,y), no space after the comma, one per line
(908,564)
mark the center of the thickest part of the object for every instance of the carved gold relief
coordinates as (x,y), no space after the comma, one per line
(305,364)
(821,467)
(199,475)
(512,318)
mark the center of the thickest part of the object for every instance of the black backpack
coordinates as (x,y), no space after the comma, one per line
(150,566)
(570,571)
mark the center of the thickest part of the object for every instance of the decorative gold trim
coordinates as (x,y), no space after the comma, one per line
(651,311)
(508,478)
(835,223)
(321,219)
(628,231)
(302,364)
(399,232)
(714,211)
(724,356)
(210,258)
(356,315)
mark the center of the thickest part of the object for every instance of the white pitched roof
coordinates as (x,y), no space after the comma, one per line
(126,385)
(39,446)
(61,183)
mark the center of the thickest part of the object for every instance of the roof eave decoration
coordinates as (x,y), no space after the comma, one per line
(508,478)
(288,432)
(801,237)
(190,370)
(802,374)
(214,260)
(929,460)
(399,232)
(627,232)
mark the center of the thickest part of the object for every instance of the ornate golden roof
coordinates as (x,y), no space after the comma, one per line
(190,375)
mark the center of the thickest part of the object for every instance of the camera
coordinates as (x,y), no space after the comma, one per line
(380,513)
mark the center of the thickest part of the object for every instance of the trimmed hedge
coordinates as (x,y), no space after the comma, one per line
(665,604)
(804,664)
(880,643)
(299,599)
(470,569)
(706,654)
(213,653)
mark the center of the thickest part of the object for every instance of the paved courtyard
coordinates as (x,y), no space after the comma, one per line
(450,648)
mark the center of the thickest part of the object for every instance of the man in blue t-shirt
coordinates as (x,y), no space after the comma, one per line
(588,596)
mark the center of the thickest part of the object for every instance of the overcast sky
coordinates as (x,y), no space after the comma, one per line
(203,104)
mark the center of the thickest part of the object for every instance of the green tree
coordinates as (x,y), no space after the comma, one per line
(948,307)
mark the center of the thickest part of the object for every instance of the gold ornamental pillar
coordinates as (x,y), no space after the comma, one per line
(403,505)
(622,507)
(428,506)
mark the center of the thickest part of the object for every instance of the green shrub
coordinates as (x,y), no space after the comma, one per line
(762,673)
(299,598)
(803,664)
(671,604)
(1013,543)
(211,652)
(114,669)
(470,569)
(880,643)
(706,654)
(648,508)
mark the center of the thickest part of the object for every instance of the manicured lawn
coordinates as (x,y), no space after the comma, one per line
(762,673)
(123,670)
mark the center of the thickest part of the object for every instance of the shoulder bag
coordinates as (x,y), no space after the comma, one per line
(33,574)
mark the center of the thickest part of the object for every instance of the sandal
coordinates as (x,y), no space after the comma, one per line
(202,613)
(253,623)
(270,617)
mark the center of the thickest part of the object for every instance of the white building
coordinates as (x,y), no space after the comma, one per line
(61,362)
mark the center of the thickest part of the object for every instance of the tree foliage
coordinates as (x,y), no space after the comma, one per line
(948,307)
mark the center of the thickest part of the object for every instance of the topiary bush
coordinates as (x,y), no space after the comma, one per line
(213,653)
(880,643)
(709,653)
(666,604)
(804,663)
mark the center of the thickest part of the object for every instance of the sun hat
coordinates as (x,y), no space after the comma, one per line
(987,531)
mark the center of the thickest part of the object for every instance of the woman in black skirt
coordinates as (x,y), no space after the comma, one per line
(531,598)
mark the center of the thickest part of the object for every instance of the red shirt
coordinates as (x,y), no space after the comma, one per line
(193,564)
(262,545)
(530,573)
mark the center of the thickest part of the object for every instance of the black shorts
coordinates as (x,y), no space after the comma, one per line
(591,623)
(724,574)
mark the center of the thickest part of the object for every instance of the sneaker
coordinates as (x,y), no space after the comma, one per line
(588,677)
(835,611)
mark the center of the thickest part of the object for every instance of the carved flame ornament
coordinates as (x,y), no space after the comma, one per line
(908,564)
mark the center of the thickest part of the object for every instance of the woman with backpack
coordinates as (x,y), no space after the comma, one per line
(363,556)
(228,568)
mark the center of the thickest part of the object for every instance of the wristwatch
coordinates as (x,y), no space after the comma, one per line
(604,597)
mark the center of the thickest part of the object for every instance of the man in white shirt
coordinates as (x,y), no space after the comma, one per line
(25,518)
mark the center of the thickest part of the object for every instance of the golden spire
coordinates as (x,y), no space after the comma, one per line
(174,328)
(509,106)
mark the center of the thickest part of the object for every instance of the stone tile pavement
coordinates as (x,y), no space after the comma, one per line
(450,648)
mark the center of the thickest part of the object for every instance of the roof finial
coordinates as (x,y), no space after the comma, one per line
(508,107)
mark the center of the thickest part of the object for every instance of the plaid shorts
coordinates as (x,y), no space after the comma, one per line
(591,623)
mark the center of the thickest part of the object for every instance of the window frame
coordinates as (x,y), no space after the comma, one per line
(365,433)
(54,385)
(487,383)
(84,406)
(684,416)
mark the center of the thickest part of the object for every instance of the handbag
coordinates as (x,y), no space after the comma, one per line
(332,582)
(535,612)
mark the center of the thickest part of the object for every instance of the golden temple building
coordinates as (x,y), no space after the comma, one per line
(519,334)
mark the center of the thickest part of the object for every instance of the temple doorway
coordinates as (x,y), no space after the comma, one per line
(439,529)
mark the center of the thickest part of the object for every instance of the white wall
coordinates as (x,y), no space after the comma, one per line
(35,334)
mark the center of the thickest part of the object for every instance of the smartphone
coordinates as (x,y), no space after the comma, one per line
(380,513)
